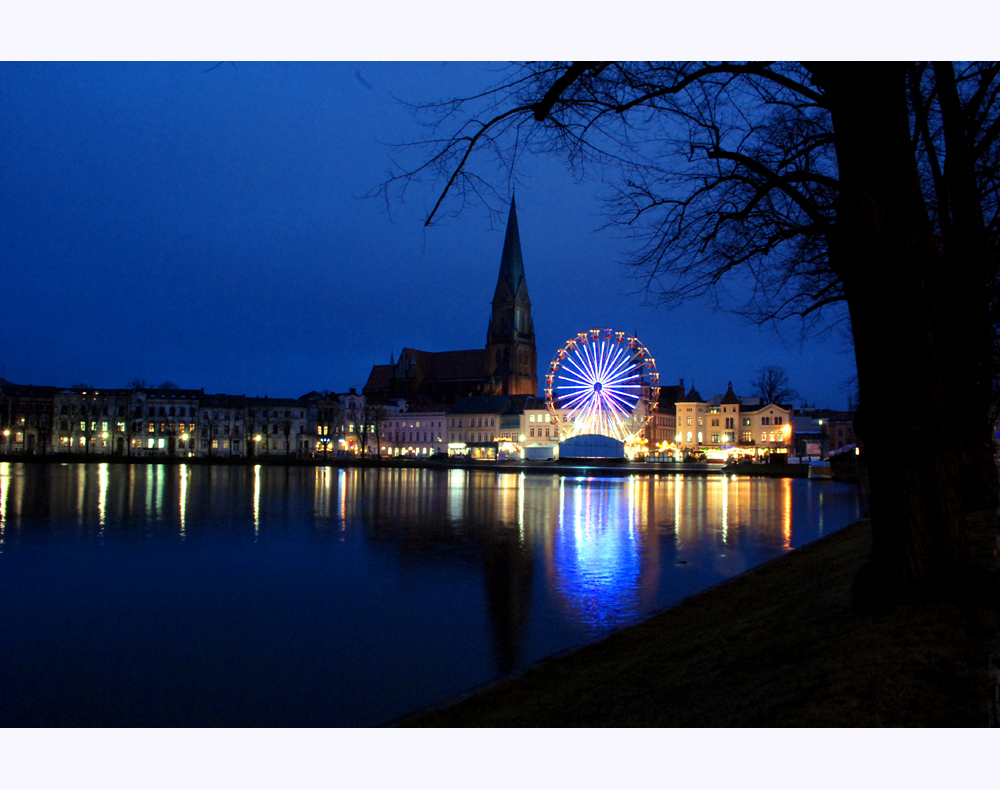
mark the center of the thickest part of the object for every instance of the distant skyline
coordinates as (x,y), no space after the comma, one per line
(207,224)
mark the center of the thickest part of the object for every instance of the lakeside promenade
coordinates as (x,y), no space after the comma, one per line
(778,646)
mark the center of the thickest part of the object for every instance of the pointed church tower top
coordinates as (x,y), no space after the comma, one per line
(511,263)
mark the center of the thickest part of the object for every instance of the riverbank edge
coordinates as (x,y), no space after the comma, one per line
(778,646)
(571,468)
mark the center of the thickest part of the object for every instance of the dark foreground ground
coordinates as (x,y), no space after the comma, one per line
(780,645)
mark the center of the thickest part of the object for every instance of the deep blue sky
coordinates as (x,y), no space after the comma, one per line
(209,227)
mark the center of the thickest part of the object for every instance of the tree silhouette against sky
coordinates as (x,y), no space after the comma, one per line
(816,192)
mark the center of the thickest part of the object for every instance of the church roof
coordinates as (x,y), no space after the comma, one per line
(379,378)
(511,262)
(466,365)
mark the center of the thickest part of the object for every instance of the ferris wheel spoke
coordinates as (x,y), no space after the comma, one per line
(575,400)
(578,370)
(578,402)
(619,372)
(587,363)
(574,379)
(575,383)
(617,425)
(622,400)
(608,362)
(621,363)
(613,407)
(613,359)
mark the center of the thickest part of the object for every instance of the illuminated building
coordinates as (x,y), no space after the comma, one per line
(416,434)
(729,423)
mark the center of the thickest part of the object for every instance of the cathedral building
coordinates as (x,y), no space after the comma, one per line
(508,365)
(511,361)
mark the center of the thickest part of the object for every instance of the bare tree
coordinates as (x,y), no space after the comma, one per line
(363,430)
(867,191)
(249,413)
(374,416)
(771,384)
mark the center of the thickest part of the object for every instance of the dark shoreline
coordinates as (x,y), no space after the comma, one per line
(780,645)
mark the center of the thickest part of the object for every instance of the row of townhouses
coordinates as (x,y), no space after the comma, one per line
(192,423)
(179,422)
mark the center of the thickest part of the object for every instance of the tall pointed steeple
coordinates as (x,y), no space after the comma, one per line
(511,262)
(511,360)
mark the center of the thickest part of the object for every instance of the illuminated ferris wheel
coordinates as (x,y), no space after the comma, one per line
(603,382)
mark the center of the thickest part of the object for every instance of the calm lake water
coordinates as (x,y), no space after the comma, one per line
(298,596)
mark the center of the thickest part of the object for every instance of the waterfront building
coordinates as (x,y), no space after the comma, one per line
(418,434)
(344,424)
(661,431)
(281,427)
(26,414)
(479,425)
(221,430)
(690,421)
(168,420)
(728,423)
(821,432)
(539,425)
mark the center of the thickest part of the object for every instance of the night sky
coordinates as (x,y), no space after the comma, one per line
(209,226)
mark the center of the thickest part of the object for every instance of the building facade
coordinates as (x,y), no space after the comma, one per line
(729,423)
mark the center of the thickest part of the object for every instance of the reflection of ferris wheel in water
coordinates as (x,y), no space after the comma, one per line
(603,382)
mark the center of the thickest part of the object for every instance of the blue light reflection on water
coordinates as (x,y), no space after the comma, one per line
(596,568)
(226,595)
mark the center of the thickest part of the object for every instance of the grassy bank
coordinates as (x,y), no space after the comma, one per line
(780,645)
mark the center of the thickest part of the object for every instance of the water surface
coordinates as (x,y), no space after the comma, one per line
(141,595)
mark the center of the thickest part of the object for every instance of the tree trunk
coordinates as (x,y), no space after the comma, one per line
(965,249)
(904,317)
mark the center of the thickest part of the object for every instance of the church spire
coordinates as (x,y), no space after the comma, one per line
(511,360)
(511,262)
